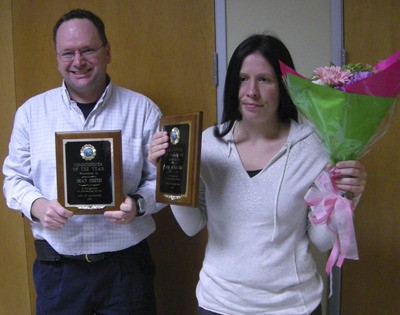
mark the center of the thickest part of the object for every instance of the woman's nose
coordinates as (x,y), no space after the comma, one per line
(252,90)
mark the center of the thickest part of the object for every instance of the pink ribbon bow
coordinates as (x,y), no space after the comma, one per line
(328,206)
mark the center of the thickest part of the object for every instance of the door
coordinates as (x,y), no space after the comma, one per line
(371,285)
(14,289)
(162,49)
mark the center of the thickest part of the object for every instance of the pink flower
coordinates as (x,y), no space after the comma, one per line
(332,76)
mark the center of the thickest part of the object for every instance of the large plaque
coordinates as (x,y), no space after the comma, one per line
(89,171)
(178,171)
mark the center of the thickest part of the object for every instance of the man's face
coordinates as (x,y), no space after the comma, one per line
(84,74)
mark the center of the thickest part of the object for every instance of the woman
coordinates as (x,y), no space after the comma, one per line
(255,171)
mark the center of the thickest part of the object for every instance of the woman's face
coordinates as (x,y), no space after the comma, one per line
(259,90)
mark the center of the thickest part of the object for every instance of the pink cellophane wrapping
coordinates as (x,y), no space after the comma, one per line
(329,207)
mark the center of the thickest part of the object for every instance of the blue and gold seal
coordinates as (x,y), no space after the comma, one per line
(175,135)
(88,152)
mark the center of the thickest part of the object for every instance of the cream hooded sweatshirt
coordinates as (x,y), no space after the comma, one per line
(257,259)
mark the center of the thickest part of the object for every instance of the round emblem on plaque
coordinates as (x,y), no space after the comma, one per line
(175,135)
(88,152)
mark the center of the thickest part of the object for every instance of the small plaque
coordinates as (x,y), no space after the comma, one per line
(89,171)
(178,171)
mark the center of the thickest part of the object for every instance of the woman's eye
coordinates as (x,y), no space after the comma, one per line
(267,80)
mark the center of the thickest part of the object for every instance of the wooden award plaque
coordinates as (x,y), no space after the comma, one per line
(89,171)
(178,171)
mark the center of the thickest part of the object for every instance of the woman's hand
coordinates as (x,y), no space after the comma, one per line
(350,176)
(158,146)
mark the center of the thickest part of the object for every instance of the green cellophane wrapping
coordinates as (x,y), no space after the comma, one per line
(346,123)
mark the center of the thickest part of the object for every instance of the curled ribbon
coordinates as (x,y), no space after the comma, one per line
(330,207)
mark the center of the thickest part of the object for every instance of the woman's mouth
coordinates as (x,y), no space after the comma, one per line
(252,105)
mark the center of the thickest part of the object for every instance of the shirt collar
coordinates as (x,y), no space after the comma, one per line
(104,97)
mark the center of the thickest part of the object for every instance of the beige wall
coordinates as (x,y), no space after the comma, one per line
(303,25)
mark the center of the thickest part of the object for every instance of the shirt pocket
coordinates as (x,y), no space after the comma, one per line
(132,160)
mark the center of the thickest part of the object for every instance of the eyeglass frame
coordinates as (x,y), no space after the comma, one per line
(86,53)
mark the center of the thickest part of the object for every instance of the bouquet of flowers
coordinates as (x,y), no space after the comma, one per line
(351,108)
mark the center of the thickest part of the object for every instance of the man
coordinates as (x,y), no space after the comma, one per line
(91,263)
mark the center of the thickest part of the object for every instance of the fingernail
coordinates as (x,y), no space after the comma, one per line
(334,173)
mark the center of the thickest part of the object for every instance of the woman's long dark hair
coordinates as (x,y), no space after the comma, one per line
(273,50)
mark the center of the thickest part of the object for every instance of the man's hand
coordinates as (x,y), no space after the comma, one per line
(125,215)
(50,213)
(158,146)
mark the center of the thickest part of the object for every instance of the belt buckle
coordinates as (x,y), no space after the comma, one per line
(90,258)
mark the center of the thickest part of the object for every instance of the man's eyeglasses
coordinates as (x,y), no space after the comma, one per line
(86,53)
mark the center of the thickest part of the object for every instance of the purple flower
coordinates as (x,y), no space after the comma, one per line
(339,77)
(358,76)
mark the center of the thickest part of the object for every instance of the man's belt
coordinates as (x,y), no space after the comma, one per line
(45,252)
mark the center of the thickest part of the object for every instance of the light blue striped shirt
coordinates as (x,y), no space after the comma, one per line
(30,167)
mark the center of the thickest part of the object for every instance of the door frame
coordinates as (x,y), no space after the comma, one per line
(338,57)
(220,58)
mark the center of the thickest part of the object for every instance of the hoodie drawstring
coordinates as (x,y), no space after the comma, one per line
(289,146)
